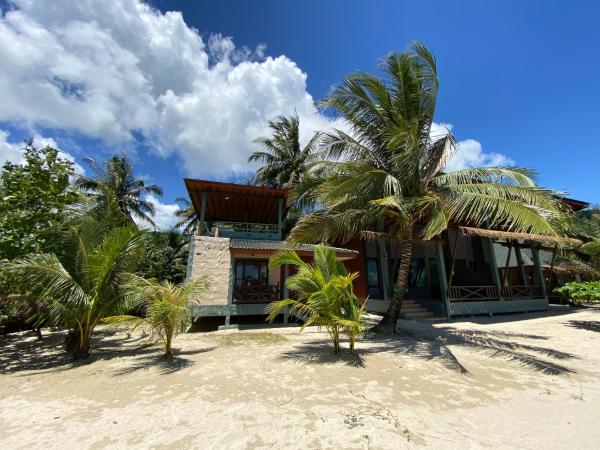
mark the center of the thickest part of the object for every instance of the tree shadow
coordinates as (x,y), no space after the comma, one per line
(22,352)
(589,325)
(434,343)
(162,364)
(321,353)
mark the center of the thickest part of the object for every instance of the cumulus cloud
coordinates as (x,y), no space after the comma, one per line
(119,69)
(13,151)
(164,216)
(469,153)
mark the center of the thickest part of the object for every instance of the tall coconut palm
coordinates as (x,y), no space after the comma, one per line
(324,295)
(285,160)
(188,219)
(115,183)
(79,292)
(388,171)
(166,305)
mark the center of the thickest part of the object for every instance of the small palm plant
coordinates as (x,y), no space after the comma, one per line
(80,290)
(166,304)
(324,295)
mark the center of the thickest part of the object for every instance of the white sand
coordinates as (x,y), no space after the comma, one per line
(529,381)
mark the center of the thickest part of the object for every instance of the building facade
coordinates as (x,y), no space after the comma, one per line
(466,271)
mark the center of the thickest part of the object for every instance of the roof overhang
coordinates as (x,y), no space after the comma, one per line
(236,202)
(499,234)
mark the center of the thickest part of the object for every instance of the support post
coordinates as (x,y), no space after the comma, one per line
(535,252)
(453,256)
(203,199)
(505,274)
(280,218)
(524,278)
(551,271)
(494,266)
(439,253)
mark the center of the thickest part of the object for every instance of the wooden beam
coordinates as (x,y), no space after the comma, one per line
(453,256)
(551,270)
(505,274)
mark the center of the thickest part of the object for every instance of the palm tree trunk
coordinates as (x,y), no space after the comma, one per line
(168,343)
(82,345)
(391,316)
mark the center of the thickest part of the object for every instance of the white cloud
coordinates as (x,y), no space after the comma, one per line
(13,151)
(164,216)
(469,153)
(115,68)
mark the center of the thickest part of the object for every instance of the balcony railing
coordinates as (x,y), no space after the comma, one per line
(255,294)
(242,230)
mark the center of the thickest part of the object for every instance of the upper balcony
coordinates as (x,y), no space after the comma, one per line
(244,230)
(238,211)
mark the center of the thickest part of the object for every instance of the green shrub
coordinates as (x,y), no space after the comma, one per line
(579,292)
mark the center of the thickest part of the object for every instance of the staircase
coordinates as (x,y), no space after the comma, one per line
(412,310)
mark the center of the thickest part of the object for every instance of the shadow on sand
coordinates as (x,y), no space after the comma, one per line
(22,352)
(589,325)
(424,341)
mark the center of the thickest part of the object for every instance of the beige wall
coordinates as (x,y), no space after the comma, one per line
(212,259)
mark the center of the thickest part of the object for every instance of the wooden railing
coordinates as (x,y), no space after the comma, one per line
(522,291)
(490,293)
(473,293)
(255,294)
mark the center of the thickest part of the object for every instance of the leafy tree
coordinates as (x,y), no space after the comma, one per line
(34,199)
(115,184)
(285,160)
(324,295)
(165,256)
(581,292)
(166,307)
(188,219)
(388,171)
(586,259)
(86,286)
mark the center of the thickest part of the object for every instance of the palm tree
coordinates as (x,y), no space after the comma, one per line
(79,292)
(285,160)
(324,295)
(166,304)
(388,172)
(188,219)
(115,184)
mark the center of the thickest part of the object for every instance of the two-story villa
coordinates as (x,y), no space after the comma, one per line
(466,271)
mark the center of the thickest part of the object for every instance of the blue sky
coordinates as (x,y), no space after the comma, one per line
(184,94)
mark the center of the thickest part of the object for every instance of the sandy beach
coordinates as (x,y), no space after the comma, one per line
(527,381)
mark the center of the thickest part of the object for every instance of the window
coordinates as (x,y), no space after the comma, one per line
(417,277)
(251,273)
(374,279)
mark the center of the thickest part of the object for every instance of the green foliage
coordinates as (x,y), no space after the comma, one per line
(165,256)
(324,295)
(114,186)
(188,219)
(166,306)
(285,161)
(579,292)
(389,169)
(84,287)
(34,198)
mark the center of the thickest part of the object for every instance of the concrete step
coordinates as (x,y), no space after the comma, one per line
(419,315)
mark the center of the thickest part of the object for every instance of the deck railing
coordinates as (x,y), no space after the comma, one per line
(490,293)
(473,293)
(246,230)
(255,294)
